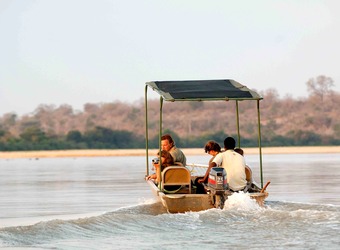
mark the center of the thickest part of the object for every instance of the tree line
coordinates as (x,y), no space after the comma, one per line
(104,138)
(286,121)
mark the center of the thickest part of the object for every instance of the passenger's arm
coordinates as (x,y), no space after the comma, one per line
(205,178)
(152,176)
(155,175)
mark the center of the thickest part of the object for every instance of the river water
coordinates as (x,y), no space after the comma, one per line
(104,203)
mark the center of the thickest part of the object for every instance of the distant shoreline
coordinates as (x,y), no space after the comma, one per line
(141,152)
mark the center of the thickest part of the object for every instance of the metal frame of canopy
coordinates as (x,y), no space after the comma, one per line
(202,90)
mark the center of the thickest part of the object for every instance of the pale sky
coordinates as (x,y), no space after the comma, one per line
(96,51)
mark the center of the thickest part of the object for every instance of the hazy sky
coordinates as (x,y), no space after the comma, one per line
(93,51)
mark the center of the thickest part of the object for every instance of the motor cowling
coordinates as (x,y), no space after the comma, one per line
(217,181)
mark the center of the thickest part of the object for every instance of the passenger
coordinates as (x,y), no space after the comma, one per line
(168,144)
(249,173)
(167,161)
(239,150)
(234,165)
(212,148)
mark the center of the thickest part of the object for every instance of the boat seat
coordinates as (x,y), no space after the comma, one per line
(176,176)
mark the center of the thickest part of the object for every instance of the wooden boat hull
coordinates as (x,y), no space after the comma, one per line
(181,203)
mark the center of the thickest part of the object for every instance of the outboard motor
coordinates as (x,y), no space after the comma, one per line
(217,186)
(217,181)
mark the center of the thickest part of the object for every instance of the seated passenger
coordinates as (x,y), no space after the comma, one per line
(239,150)
(212,148)
(249,173)
(168,144)
(166,159)
(233,163)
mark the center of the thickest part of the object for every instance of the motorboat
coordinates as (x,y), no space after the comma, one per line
(184,197)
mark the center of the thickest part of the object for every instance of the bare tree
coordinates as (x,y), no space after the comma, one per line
(320,86)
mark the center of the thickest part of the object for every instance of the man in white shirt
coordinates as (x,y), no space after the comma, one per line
(234,165)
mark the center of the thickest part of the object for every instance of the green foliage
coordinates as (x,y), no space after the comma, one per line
(74,135)
(200,141)
(100,137)
(33,134)
(97,138)
(301,137)
(337,130)
(104,138)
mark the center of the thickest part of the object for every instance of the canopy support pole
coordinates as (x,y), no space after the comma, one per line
(159,176)
(238,126)
(146,130)
(259,139)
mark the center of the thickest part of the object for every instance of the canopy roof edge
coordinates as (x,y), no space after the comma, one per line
(203,90)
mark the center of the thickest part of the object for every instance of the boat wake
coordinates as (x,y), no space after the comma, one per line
(148,218)
(241,201)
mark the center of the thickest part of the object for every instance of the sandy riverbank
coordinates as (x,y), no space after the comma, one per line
(141,152)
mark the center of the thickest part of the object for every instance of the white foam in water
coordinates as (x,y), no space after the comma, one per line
(241,201)
(146,201)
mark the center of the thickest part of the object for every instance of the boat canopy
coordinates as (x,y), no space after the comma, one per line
(203,90)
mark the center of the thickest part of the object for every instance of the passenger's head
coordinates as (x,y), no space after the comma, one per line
(212,145)
(229,143)
(239,150)
(167,142)
(166,158)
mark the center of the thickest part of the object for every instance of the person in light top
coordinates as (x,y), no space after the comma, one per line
(233,163)
(212,148)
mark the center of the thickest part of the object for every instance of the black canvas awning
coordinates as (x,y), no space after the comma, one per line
(201,90)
